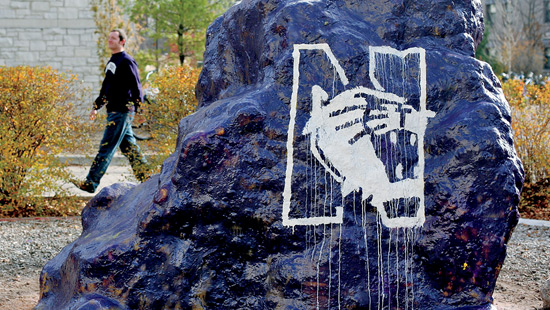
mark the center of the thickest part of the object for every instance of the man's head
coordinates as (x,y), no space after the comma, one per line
(117,39)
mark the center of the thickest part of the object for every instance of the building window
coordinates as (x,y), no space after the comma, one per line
(547,11)
(490,11)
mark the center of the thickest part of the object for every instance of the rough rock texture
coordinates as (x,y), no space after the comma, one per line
(545,294)
(208,233)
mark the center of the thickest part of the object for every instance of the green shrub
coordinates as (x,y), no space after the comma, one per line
(37,122)
(175,99)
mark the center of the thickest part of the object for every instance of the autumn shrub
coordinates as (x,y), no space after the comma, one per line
(175,99)
(38,121)
(530,105)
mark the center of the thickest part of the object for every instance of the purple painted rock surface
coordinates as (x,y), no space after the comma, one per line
(346,155)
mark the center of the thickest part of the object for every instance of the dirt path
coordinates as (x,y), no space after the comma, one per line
(19,293)
(511,296)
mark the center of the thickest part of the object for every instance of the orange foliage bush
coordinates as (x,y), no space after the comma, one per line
(175,99)
(37,122)
(530,105)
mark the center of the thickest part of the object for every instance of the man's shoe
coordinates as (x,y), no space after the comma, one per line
(83,185)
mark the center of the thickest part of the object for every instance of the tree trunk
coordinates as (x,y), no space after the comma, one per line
(180,43)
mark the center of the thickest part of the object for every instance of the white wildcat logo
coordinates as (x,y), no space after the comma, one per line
(110,67)
(347,131)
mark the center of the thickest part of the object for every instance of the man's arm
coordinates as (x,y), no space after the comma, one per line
(135,85)
(99,102)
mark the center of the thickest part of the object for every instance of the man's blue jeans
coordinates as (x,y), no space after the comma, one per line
(118,133)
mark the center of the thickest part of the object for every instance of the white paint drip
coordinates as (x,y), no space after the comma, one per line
(412,274)
(340,264)
(397,266)
(364,224)
(319,264)
(381,294)
(329,254)
(388,262)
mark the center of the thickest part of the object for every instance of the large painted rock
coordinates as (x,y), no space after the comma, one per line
(346,155)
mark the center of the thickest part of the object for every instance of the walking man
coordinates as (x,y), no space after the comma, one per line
(121,94)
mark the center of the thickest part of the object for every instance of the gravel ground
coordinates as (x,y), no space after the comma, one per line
(526,268)
(26,245)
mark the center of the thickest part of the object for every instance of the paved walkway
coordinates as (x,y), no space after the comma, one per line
(119,171)
(534,222)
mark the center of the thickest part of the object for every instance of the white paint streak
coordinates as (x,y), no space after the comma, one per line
(364,224)
(340,265)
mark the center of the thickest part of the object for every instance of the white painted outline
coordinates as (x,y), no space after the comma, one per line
(287,193)
(378,92)
(380,50)
(420,218)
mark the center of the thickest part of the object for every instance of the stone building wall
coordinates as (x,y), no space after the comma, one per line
(56,33)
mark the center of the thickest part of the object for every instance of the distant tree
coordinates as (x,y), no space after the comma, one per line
(516,35)
(178,23)
(109,15)
(533,58)
(483,53)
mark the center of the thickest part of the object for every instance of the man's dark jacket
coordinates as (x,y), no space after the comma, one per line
(121,89)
